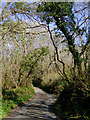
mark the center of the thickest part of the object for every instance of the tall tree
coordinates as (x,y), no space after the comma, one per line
(19,28)
(63,15)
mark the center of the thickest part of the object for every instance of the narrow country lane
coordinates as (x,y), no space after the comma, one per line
(36,109)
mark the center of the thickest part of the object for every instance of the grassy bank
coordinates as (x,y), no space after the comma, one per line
(15,97)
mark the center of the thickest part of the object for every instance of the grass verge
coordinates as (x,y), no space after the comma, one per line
(15,97)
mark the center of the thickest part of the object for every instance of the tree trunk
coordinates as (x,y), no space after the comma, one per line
(70,39)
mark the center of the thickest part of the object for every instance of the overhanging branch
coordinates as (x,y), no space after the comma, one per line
(56,49)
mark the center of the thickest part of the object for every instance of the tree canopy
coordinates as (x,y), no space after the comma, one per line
(63,15)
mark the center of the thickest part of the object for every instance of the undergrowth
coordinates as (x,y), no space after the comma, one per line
(73,104)
(72,99)
(15,97)
(51,83)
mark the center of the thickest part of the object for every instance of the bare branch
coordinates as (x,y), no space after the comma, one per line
(34,26)
(80,10)
(56,49)
(5,9)
(84,21)
(84,47)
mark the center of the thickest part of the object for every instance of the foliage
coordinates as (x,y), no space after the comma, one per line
(18,46)
(14,97)
(21,71)
(22,63)
(30,63)
(53,86)
(73,102)
(62,15)
(51,83)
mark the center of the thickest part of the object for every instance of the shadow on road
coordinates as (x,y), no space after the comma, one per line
(39,108)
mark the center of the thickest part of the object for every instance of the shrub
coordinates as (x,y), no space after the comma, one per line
(73,102)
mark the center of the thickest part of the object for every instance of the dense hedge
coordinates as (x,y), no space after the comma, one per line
(73,103)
